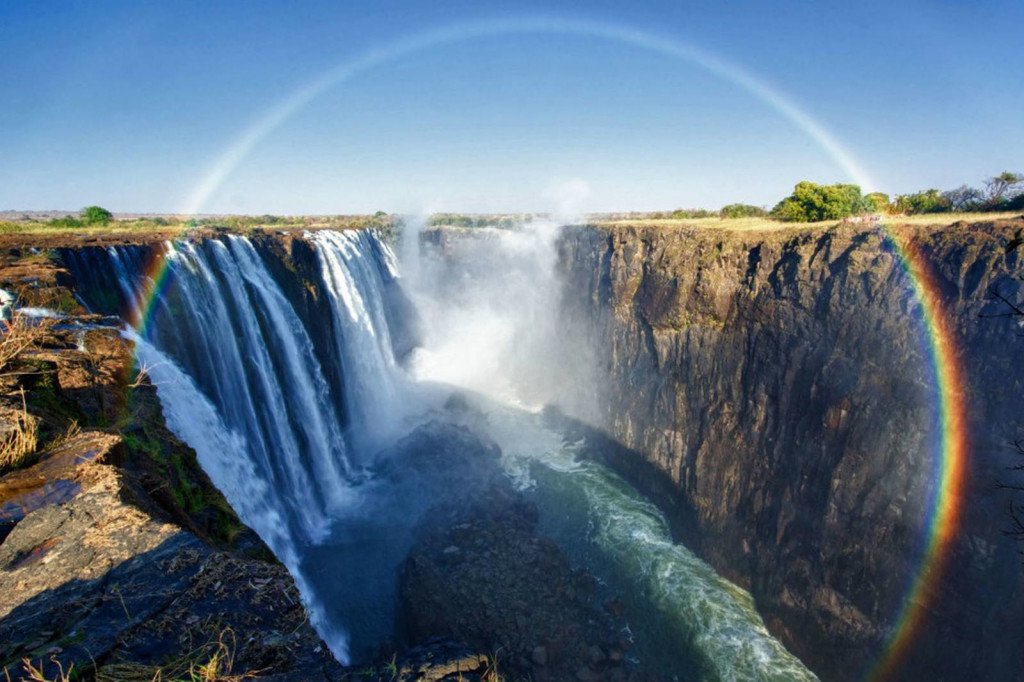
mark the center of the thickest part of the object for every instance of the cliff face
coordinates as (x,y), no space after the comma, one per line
(778,384)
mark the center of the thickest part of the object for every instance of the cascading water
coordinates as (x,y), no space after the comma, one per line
(306,461)
(351,264)
(236,371)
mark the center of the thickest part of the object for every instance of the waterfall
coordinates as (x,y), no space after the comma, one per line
(240,380)
(288,402)
(355,267)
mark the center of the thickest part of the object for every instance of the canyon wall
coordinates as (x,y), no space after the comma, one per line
(778,385)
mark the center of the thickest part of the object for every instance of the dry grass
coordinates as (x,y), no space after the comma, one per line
(37,674)
(731,224)
(212,662)
(63,439)
(21,441)
(944,219)
(21,334)
(170,227)
(119,227)
(754,224)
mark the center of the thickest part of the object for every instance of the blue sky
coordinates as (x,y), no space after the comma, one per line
(133,105)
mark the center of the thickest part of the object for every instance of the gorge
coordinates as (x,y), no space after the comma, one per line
(717,448)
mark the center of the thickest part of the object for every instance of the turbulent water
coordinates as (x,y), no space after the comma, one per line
(240,380)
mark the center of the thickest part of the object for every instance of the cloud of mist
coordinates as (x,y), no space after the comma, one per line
(490,302)
(568,198)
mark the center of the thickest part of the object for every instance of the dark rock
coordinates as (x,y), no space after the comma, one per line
(771,390)
(509,593)
(440,659)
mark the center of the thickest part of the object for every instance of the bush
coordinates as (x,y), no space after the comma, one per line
(928,201)
(96,215)
(877,201)
(67,221)
(811,202)
(691,214)
(742,211)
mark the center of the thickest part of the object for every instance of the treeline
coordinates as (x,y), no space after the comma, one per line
(88,217)
(98,217)
(811,202)
(499,220)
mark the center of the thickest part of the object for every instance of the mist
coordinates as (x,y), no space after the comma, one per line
(490,302)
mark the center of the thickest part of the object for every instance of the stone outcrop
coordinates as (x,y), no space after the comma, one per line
(483,575)
(779,383)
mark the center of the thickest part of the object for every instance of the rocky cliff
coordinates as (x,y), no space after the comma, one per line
(775,387)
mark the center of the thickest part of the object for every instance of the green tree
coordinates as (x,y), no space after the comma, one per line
(928,201)
(742,211)
(96,215)
(878,201)
(811,202)
(690,214)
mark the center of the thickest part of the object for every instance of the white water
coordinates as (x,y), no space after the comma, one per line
(254,356)
(490,301)
(224,455)
(240,380)
(351,264)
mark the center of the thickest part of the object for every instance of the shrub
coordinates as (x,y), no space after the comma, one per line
(96,215)
(742,211)
(878,202)
(928,201)
(691,213)
(21,440)
(67,221)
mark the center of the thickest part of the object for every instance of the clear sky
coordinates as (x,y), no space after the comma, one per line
(134,106)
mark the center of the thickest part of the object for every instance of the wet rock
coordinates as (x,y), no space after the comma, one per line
(438,660)
(510,591)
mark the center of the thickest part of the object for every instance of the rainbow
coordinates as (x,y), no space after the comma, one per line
(155,277)
(950,466)
(950,461)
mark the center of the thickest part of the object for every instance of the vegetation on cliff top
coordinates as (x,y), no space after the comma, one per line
(810,202)
(98,220)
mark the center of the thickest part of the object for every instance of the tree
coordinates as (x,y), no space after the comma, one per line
(879,202)
(96,215)
(1002,188)
(742,211)
(964,198)
(811,202)
(928,201)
